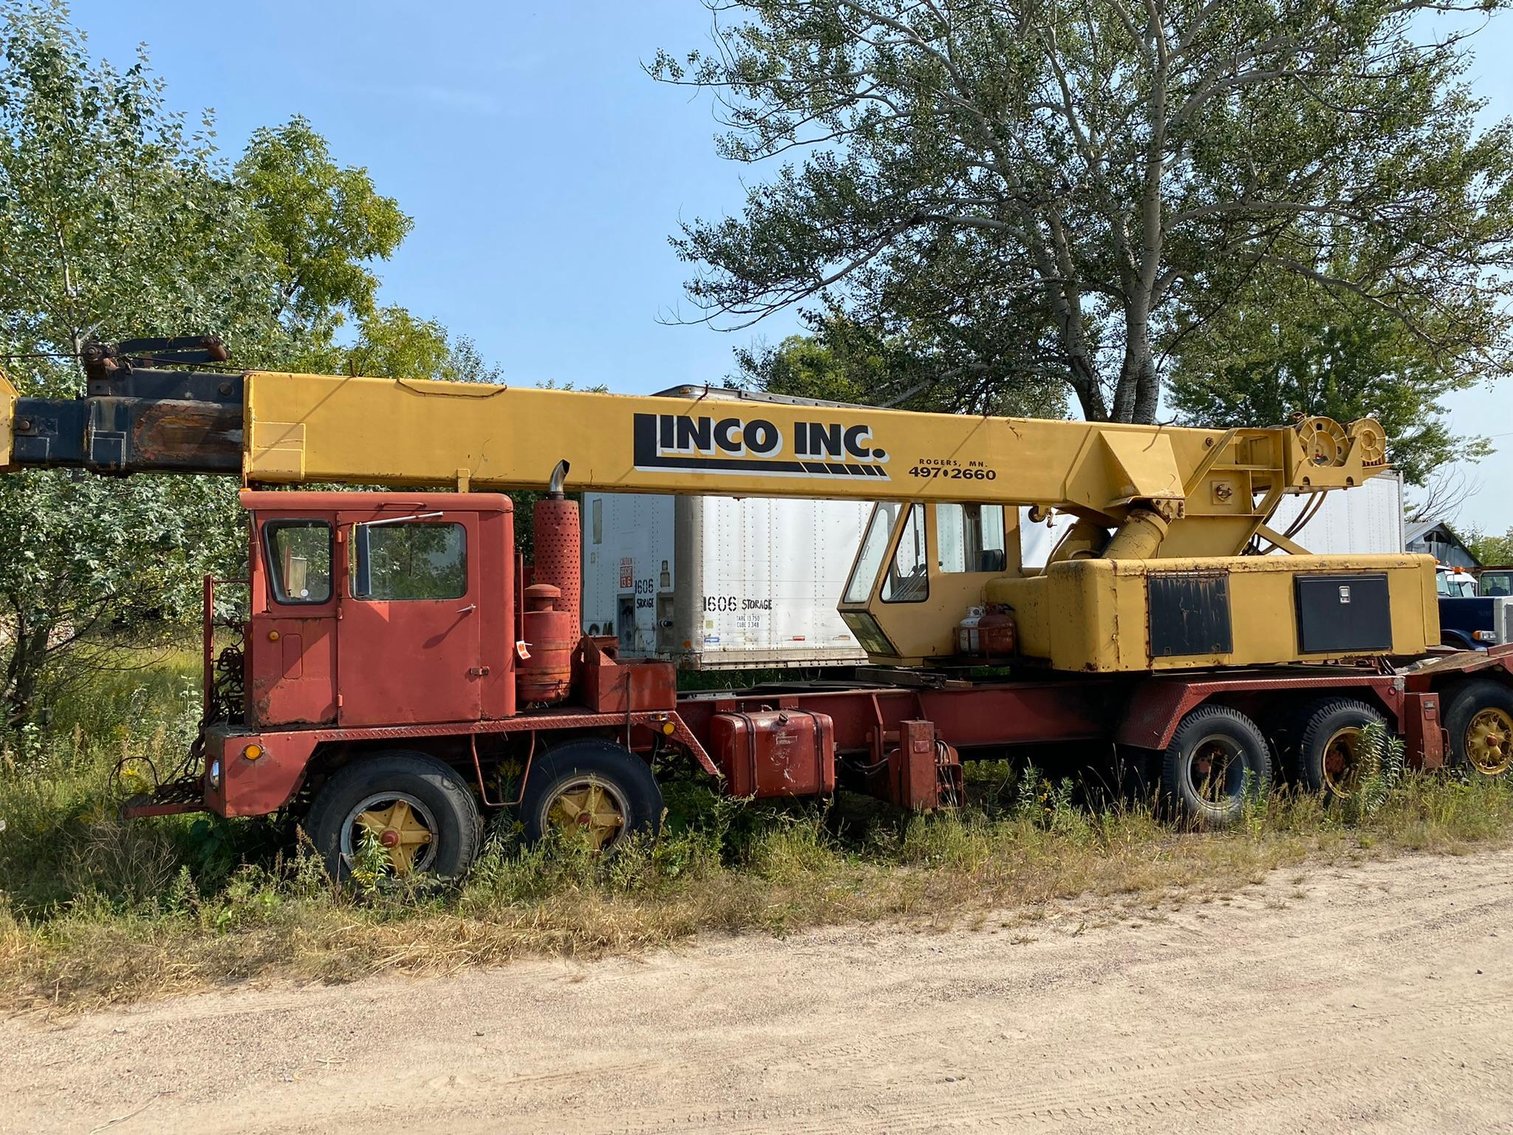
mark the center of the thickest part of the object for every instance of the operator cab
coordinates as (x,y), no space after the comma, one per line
(920,569)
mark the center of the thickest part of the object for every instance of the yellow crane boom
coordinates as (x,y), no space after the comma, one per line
(1216,487)
(1149,499)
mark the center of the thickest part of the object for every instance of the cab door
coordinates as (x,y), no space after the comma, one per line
(410,648)
(291,648)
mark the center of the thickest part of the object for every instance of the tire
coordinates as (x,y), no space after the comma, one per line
(1329,759)
(592,778)
(1210,736)
(437,832)
(1479,720)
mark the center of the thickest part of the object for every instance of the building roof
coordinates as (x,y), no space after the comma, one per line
(1413,531)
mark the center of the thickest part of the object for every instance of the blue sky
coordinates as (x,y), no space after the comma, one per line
(544,170)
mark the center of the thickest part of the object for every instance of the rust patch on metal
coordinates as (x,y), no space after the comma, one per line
(187,434)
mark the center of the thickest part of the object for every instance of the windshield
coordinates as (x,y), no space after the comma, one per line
(1457,585)
(870,558)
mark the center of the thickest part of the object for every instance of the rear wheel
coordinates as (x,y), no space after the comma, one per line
(1479,720)
(1217,758)
(413,814)
(1331,754)
(591,790)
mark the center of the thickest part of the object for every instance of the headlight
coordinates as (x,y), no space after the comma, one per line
(215,773)
(1484,636)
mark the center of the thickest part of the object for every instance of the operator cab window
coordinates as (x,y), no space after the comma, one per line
(874,548)
(299,560)
(908,579)
(970,537)
(413,560)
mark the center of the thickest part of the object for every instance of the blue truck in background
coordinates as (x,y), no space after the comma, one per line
(1475,611)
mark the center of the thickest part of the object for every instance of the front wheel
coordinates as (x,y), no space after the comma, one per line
(413,814)
(592,790)
(1217,758)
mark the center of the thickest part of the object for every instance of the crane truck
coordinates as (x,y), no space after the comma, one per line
(401,672)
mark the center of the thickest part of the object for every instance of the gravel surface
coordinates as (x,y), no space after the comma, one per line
(1356,999)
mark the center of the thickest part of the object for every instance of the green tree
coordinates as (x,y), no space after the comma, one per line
(321,225)
(1491,550)
(117,220)
(1288,346)
(392,343)
(844,361)
(1060,188)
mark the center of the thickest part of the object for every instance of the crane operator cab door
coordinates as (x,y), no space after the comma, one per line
(410,619)
(919,570)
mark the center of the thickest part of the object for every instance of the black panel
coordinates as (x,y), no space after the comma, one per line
(1343,612)
(1189,613)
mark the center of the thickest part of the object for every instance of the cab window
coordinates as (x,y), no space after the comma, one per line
(874,548)
(970,537)
(412,560)
(908,579)
(299,560)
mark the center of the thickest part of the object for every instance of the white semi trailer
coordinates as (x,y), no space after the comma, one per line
(717,583)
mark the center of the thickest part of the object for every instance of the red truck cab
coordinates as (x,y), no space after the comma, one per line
(380,609)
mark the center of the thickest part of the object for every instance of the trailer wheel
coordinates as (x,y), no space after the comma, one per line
(419,811)
(1479,720)
(1217,758)
(594,790)
(1330,756)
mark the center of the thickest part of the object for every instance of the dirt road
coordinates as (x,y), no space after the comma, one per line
(1374,998)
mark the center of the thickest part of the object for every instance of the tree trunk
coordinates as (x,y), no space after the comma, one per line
(1139,390)
(24,670)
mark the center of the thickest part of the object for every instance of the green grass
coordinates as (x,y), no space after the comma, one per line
(94,911)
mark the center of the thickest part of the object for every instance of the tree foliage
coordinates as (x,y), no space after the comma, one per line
(844,361)
(393,343)
(1490,550)
(1288,346)
(1063,190)
(320,225)
(118,220)
(115,218)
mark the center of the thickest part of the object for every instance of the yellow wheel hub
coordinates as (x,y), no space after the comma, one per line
(1489,742)
(590,810)
(1342,763)
(399,831)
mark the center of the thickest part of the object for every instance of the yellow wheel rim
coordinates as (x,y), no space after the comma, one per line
(1340,766)
(589,809)
(1489,741)
(401,830)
